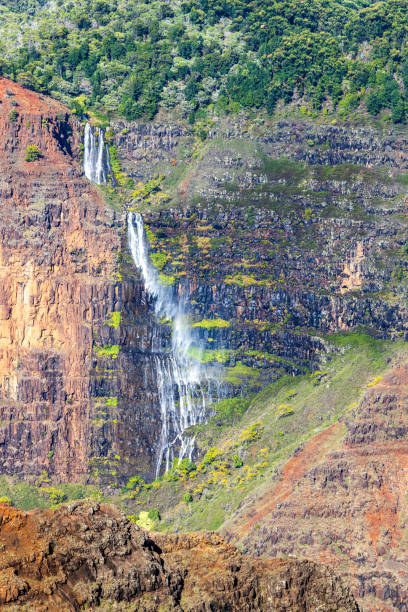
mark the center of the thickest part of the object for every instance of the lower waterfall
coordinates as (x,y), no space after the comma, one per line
(186,387)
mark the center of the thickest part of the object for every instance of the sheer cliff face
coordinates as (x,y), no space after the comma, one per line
(276,250)
(57,258)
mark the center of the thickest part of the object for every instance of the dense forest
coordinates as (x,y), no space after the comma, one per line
(133,57)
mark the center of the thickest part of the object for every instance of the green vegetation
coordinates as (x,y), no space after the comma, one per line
(32,153)
(165,279)
(134,484)
(240,373)
(114,319)
(211,323)
(25,496)
(242,280)
(230,410)
(207,356)
(159,260)
(150,193)
(145,521)
(108,351)
(133,57)
(112,401)
(55,496)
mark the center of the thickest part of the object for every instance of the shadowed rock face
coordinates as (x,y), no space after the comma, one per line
(344,497)
(90,555)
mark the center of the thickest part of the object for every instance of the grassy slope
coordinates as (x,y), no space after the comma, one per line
(279,420)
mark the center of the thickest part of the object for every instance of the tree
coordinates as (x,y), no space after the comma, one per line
(32,153)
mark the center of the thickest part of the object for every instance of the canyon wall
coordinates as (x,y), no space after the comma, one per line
(57,261)
(277,252)
(343,496)
(87,555)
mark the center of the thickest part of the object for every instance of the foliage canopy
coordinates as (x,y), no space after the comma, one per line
(133,57)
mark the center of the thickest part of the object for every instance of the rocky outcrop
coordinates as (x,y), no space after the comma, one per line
(159,145)
(344,497)
(85,555)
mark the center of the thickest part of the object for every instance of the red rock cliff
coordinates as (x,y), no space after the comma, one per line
(342,500)
(57,259)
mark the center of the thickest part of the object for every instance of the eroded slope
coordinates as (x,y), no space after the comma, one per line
(347,503)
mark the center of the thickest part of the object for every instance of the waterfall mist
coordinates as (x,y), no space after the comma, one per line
(186,387)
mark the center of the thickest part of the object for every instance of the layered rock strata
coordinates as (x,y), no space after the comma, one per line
(57,262)
(280,253)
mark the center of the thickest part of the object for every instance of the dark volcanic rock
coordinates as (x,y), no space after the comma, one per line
(84,556)
(283,252)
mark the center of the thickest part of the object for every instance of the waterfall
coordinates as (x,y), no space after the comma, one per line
(185,386)
(96,155)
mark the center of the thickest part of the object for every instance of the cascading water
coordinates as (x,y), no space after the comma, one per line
(185,386)
(96,156)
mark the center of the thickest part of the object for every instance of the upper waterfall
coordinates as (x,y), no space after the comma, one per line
(185,386)
(96,155)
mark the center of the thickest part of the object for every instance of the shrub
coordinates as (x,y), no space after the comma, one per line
(114,320)
(132,518)
(230,410)
(108,351)
(375,381)
(211,455)
(5,500)
(211,323)
(253,432)
(187,465)
(145,521)
(134,483)
(165,279)
(181,469)
(13,115)
(55,496)
(187,498)
(33,153)
(159,260)
(237,461)
(154,514)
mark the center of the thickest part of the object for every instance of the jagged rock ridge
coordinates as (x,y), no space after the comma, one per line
(85,554)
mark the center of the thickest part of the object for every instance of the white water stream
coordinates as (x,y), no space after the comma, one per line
(186,387)
(96,155)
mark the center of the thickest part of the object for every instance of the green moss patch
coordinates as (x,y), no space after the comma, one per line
(211,323)
(111,350)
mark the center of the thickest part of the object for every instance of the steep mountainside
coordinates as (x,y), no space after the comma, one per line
(288,243)
(84,555)
(203,58)
(347,501)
